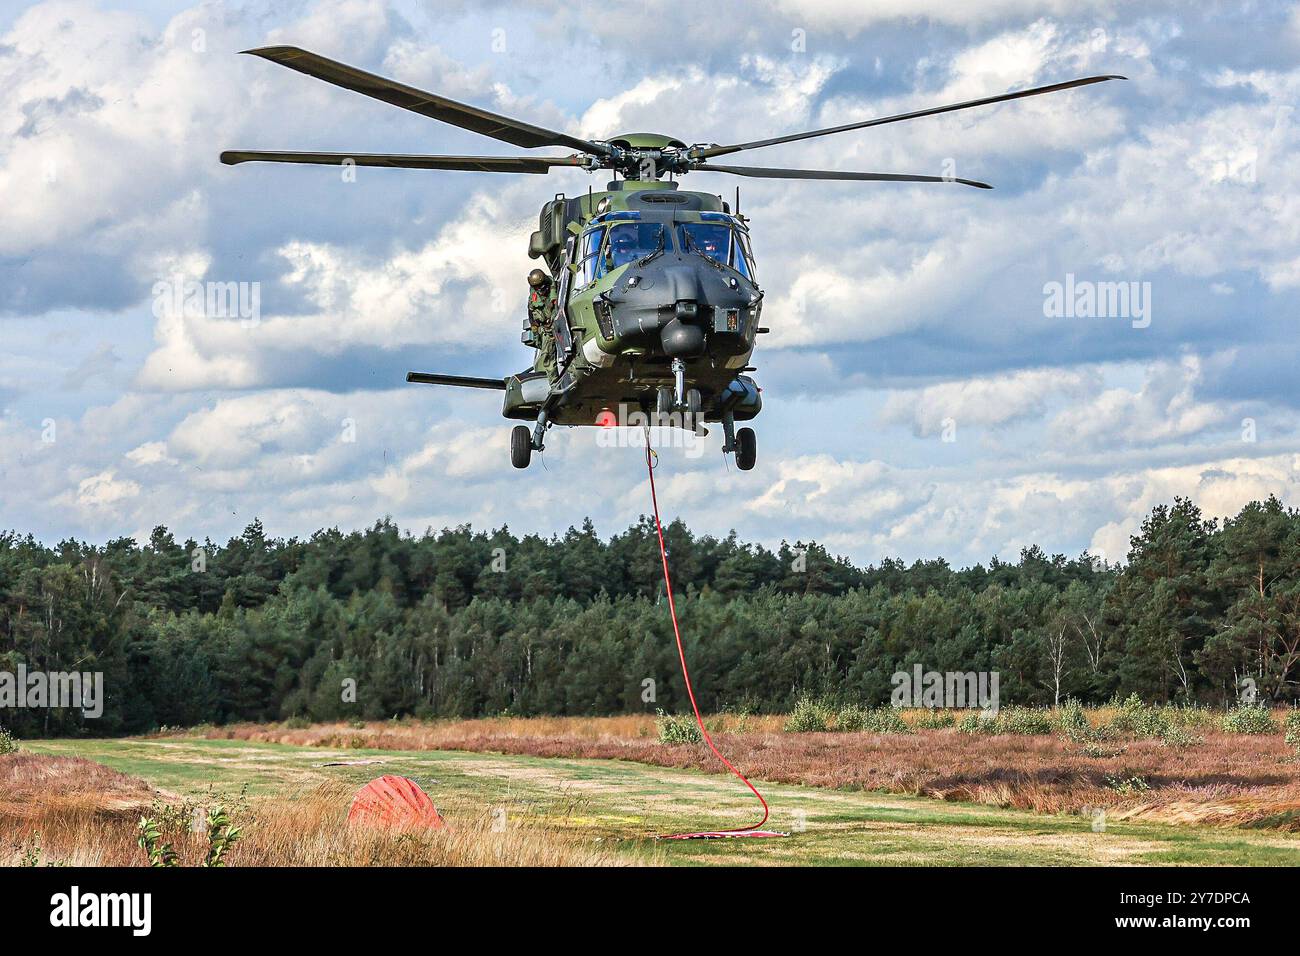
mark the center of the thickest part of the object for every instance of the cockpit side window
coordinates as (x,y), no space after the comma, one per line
(589,255)
(744,258)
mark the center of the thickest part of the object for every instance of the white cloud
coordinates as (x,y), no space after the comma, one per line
(105,489)
(983,401)
(1163,408)
(150,453)
(460,289)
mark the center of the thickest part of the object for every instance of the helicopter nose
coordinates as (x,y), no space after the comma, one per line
(683,336)
(682,308)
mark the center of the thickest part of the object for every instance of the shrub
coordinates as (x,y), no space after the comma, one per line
(852,717)
(1072,723)
(677,728)
(1292,727)
(1249,719)
(1176,736)
(1022,722)
(8,745)
(1138,719)
(976,722)
(933,720)
(1127,786)
(886,720)
(1189,715)
(158,853)
(1017,721)
(222,835)
(1101,751)
(808,716)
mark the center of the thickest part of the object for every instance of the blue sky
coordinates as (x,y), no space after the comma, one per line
(919,401)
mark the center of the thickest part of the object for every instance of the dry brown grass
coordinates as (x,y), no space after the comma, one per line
(83,814)
(33,784)
(1228,780)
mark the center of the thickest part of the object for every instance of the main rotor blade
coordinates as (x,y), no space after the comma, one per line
(767,172)
(478,164)
(708,151)
(472,118)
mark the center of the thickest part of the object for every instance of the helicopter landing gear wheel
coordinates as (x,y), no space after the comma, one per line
(521,446)
(693,401)
(664,400)
(746,449)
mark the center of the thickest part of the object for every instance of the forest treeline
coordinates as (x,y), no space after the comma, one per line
(379,623)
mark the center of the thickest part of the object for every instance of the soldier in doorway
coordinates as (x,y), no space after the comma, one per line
(542,304)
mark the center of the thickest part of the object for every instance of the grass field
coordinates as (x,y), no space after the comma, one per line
(607,811)
(1216,778)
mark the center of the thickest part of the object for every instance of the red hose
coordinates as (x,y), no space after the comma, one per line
(686,674)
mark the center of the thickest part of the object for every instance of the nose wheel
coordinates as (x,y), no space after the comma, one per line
(677,397)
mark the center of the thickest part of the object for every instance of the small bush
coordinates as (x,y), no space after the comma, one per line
(1023,721)
(222,835)
(677,728)
(8,745)
(934,720)
(886,720)
(976,722)
(1190,716)
(1072,722)
(1016,721)
(808,716)
(1176,736)
(158,853)
(1138,719)
(1249,719)
(852,717)
(1128,786)
(1101,751)
(1292,728)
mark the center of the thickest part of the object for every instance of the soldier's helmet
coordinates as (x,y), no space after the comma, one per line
(538,279)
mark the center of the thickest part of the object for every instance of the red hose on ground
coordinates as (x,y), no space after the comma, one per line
(686,675)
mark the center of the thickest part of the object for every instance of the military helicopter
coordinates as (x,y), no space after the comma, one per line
(649,304)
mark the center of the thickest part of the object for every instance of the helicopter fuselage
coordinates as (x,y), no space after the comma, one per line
(656,297)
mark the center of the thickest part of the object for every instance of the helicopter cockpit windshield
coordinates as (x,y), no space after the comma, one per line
(720,242)
(629,241)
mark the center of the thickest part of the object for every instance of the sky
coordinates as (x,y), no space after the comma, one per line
(925,392)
